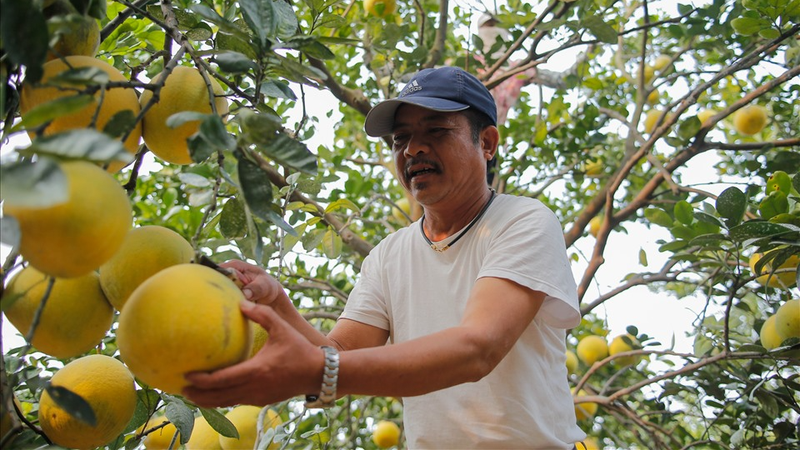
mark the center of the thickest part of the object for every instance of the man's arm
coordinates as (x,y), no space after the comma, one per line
(289,365)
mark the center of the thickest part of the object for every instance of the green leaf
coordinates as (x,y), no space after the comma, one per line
(748,25)
(342,203)
(731,205)
(261,18)
(93,8)
(146,402)
(277,89)
(39,184)
(257,191)
(689,127)
(684,212)
(659,217)
(180,118)
(23,32)
(257,128)
(291,152)
(775,203)
(287,20)
(642,257)
(72,403)
(48,111)
(233,221)
(86,144)
(331,244)
(756,229)
(199,148)
(603,31)
(213,131)
(235,62)
(180,415)
(220,423)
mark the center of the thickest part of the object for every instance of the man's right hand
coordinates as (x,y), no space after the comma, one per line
(258,287)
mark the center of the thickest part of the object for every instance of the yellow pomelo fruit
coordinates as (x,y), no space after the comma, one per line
(204,437)
(161,438)
(653,97)
(584,410)
(183,319)
(380,8)
(76,35)
(184,90)
(74,238)
(589,443)
(145,251)
(75,318)
(107,385)
(260,336)
(386,434)
(572,362)
(783,277)
(651,119)
(594,168)
(661,62)
(750,119)
(245,419)
(114,100)
(405,207)
(592,349)
(769,337)
(787,319)
(594,225)
(619,345)
(704,116)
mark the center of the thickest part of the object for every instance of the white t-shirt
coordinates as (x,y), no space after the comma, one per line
(410,290)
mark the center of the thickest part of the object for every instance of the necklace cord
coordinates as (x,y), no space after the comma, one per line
(460,235)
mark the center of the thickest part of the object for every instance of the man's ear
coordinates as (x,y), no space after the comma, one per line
(490,138)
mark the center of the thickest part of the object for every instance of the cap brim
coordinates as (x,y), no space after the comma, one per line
(380,119)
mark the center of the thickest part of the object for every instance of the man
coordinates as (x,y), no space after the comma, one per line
(462,314)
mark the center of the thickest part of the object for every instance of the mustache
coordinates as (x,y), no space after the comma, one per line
(412,162)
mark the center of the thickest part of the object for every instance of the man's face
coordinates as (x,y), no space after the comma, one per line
(435,155)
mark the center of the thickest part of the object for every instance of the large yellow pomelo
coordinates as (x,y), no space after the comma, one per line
(386,434)
(584,410)
(74,33)
(572,362)
(750,119)
(259,338)
(591,349)
(107,385)
(783,277)
(184,90)
(380,8)
(145,251)
(114,100)
(245,419)
(619,345)
(769,337)
(161,437)
(204,437)
(183,319)
(74,238)
(787,319)
(75,318)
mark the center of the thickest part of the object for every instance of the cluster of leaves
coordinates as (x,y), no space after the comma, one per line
(258,192)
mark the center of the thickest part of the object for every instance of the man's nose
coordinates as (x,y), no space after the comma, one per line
(417,144)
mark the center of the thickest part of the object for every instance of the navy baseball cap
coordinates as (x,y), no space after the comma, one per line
(445,89)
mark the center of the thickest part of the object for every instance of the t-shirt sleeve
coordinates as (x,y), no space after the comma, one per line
(367,301)
(530,251)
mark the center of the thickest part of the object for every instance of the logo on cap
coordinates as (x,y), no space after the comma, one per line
(410,88)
